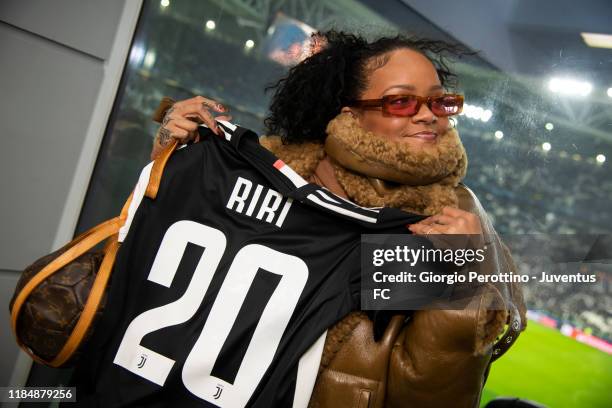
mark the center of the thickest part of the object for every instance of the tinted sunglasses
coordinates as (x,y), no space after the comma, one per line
(409,105)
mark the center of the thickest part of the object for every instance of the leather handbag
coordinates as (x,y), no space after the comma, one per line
(59,296)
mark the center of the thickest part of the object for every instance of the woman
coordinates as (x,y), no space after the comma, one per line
(370,122)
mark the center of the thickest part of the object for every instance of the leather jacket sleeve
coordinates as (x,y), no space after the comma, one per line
(434,361)
(442,357)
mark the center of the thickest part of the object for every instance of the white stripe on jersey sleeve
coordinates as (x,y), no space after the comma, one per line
(139,192)
(308,368)
(231,126)
(327,197)
(295,178)
(340,210)
(228,124)
(372,209)
(331,197)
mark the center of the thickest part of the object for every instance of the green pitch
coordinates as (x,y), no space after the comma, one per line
(554,370)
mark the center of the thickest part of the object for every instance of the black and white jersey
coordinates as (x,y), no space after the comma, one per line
(225,284)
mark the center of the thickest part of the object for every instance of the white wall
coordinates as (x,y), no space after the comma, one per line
(61,65)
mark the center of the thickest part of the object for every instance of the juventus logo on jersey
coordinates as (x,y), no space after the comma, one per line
(143,360)
(246,200)
(218,392)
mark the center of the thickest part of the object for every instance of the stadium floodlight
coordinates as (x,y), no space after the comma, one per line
(499,135)
(249,44)
(149,59)
(570,86)
(546,146)
(137,54)
(610,92)
(469,111)
(600,158)
(476,112)
(597,40)
(486,115)
(165,3)
(211,25)
(549,126)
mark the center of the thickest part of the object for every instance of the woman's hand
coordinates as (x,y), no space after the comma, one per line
(181,121)
(450,221)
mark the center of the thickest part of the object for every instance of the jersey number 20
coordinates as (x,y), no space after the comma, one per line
(197,371)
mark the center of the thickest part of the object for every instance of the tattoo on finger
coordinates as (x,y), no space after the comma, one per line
(164,136)
(167,116)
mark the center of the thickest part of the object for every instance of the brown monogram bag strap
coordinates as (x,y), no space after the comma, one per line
(158,169)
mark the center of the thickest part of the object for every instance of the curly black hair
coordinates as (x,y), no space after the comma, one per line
(315,90)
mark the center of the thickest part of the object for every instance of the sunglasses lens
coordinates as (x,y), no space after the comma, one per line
(402,105)
(409,105)
(447,105)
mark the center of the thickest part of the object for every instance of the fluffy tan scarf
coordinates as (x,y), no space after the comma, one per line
(441,167)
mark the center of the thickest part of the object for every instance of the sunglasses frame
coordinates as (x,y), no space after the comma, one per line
(385,100)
